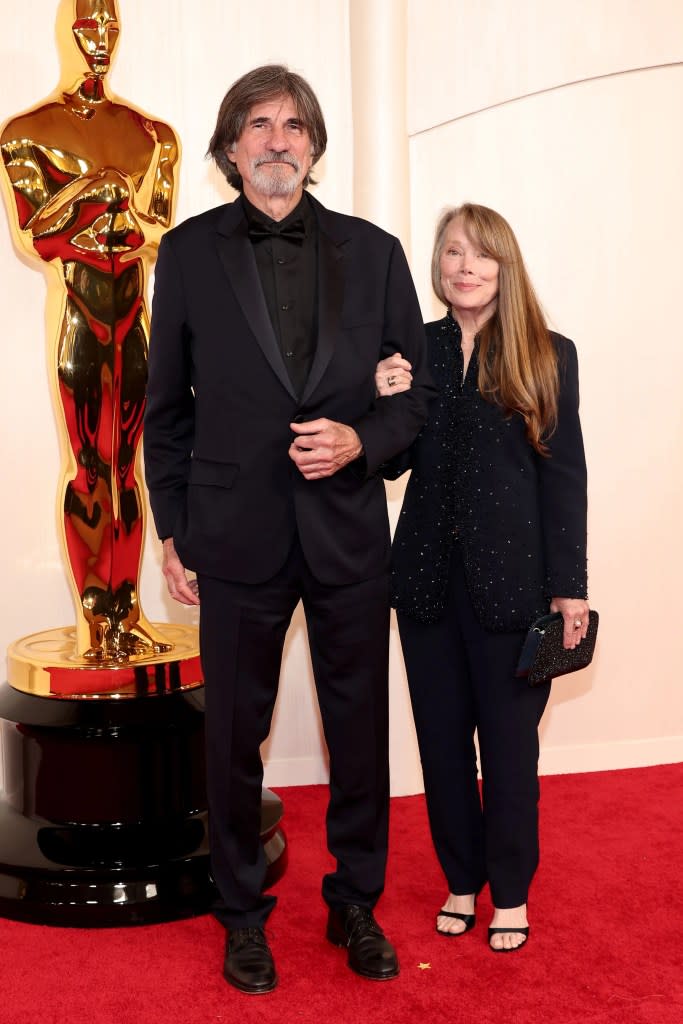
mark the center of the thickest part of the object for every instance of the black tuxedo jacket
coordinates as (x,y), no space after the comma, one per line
(220,401)
(519,517)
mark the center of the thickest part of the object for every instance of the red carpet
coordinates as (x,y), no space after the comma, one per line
(605,946)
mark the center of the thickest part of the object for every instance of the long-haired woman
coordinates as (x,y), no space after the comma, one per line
(492,534)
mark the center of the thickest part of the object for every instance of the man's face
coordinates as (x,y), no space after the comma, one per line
(96,31)
(273,153)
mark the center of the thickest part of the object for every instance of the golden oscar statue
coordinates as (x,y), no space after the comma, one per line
(90,186)
(102,800)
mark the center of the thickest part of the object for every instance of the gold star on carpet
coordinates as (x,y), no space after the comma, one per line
(424,967)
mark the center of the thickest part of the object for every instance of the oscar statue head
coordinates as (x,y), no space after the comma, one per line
(87,33)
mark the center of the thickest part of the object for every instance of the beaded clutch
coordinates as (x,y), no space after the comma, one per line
(543,657)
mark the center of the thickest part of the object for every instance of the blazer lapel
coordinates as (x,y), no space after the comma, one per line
(237,256)
(331,270)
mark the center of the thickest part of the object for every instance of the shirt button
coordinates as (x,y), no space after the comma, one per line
(280,261)
(285,306)
(290,355)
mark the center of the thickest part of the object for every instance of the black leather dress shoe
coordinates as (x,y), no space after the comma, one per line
(248,961)
(370,953)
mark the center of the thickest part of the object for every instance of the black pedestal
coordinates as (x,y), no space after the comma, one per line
(103,815)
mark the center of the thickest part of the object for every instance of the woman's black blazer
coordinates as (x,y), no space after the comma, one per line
(519,517)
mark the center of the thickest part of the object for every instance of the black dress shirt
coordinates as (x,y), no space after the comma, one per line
(286,259)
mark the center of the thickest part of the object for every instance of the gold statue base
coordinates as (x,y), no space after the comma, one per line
(45,665)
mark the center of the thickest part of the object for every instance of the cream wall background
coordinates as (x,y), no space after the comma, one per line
(566,118)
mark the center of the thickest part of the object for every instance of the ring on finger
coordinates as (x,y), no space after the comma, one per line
(578,624)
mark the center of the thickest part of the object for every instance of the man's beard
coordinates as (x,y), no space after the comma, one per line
(270,177)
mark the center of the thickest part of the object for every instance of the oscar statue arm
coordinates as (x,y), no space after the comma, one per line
(155,200)
(42,182)
(48,183)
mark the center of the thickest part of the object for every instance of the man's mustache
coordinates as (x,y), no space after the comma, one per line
(273,157)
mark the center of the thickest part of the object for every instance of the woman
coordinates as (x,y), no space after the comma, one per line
(492,533)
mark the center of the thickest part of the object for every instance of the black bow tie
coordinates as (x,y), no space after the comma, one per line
(294,231)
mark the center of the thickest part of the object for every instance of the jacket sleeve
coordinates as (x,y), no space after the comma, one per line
(392,424)
(562,488)
(169,416)
(399,464)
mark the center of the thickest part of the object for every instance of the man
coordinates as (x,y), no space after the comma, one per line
(262,441)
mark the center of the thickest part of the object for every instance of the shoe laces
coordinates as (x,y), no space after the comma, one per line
(241,937)
(361,922)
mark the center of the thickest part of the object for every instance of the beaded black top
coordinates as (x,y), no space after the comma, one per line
(519,517)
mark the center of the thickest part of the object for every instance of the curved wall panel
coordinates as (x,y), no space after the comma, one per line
(466,57)
(589,177)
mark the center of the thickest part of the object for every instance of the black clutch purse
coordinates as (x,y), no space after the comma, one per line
(543,657)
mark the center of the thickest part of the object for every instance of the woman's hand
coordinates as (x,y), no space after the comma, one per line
(575,614)
(393,376)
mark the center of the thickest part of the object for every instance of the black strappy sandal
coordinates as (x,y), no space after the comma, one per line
(469,919)
(515,931)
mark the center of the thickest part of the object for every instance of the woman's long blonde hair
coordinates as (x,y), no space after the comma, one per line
(517,359)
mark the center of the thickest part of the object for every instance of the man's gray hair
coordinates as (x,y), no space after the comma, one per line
(258,86)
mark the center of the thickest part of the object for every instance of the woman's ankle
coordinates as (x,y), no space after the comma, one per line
(460,904)
(516,917)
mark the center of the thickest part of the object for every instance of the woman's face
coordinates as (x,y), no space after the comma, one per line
(469,277)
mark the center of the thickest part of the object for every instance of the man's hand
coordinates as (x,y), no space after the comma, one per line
(179,587)
(323,447)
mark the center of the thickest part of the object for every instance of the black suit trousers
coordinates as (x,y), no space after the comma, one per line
(242,633)
(461,679)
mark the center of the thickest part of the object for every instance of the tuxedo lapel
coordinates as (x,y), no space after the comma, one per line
(331,270)
(237,256)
